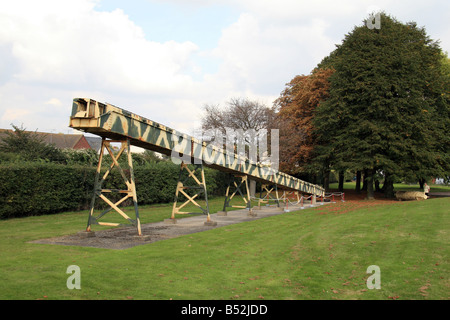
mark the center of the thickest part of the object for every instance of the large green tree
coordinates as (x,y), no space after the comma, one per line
(388,108)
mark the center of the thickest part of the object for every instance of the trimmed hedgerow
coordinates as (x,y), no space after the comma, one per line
(42,188)
(37,188)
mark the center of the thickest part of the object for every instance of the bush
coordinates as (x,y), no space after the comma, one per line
(30,146)
(42,188)
(36,188)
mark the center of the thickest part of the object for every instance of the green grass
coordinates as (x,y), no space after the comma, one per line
(398,186)
(416,187)
(320,253)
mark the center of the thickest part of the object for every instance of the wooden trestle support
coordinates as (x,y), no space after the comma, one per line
(99,192)
(183,185)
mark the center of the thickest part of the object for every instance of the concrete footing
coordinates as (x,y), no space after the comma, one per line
(251,213)
(222,213)
(86,234)
(210,223)
(170,221)
(142,237)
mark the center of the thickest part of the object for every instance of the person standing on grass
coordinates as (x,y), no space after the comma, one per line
(426,189)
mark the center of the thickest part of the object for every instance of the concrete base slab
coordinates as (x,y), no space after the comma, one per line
(222,213)
(86,234)
(126,237)
(142,237)
(170,221)
(252,214)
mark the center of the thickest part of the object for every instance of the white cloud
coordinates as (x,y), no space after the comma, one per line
(293,11)
(13,115)
(62,47)
(272,41)
(78,46)
(52,51)
(54,102)
(260,58)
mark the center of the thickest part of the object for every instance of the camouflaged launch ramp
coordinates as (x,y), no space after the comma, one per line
(111,122)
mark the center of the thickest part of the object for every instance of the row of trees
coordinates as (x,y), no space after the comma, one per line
(377,106)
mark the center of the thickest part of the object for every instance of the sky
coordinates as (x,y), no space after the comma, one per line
(164,60)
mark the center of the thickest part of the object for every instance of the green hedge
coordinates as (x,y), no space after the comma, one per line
(45,188)
(41,188)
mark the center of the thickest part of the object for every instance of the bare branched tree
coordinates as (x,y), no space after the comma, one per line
(250,117)
(239,113)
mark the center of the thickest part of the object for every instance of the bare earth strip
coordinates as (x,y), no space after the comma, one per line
(126,237)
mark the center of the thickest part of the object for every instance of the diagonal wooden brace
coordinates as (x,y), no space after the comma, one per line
(268,195)
(245,197)
(129,182)
(182,185)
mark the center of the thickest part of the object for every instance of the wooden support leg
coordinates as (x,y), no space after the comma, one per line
(97,187)
(182,185)
(129,182)
(132,188)
(238,185)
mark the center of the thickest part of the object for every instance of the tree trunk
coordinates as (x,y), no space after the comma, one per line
(421,182)
(326,179)
(370,193)
(389,189)
(377,185)
(358,182)
(388,186)
(366,173)
(341,181)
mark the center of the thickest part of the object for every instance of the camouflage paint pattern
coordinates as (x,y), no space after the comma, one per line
(111,122)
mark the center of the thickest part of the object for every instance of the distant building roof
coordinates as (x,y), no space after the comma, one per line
(95,143)
(60,140)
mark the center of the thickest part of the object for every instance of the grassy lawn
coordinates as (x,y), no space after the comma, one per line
(398,186)
(318,253)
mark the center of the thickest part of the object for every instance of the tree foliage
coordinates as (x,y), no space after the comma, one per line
(238,113)
(29,146)
(384,110)
(387,108)
(297,105)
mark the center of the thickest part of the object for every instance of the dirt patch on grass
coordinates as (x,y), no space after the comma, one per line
(355,201)
(118,238)
(127,237)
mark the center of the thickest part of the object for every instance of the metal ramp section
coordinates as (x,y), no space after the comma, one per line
(119,125)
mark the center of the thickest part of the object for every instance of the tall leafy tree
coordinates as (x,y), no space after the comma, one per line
(388,105)
(297,104)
